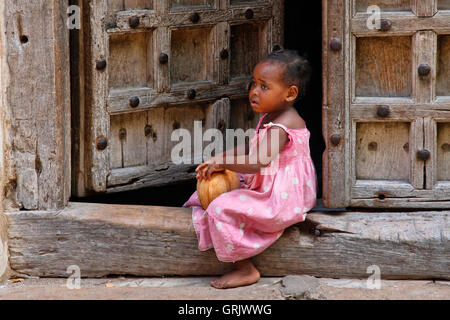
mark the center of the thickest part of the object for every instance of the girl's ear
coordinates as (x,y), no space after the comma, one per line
(292,94)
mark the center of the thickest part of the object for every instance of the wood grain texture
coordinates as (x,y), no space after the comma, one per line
(35,105)
(336,160)
(385,5)
(424,8)
(402,24)
(383,67)
(245,49)
(424,53)
(382,151)
(443,66)
(145,241)
(96,94)
(191,55)
(444,4)
(443,152)
(130,61)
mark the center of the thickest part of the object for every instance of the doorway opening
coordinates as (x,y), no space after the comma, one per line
(303,32)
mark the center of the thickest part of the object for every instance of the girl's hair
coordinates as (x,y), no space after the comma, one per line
(297,70)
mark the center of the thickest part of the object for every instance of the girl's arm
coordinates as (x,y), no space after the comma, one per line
(267,150)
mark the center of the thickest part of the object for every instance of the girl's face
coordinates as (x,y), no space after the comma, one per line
(268,91)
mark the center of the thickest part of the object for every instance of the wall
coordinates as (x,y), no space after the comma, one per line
(35,105)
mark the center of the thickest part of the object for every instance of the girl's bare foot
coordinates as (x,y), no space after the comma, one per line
(245,274)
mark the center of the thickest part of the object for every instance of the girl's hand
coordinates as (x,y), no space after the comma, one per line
(207,168)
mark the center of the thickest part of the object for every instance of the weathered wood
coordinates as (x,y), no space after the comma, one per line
(443,152)
(424,8)
(133,178)
(443,67)
(402,24)
(181,19)
(4,256)
(383,67)
(444,4)
(424,53)
(35,104)
(98,122)
(385,5)
(155,241)
(380,152)
(384,71)
(118,102)
(334,115)
(138,68)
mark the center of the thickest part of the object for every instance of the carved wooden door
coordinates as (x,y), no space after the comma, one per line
(387,103)
(153,66)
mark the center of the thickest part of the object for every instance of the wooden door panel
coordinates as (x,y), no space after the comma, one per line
(189,4)
(190,59)
(443,152)
(382,151)
(383,67)
(386,132)
(443,67)
(385,5)
(130,61)
(245,48)
(242,115)
(155,66)
(444,4)
(128,140)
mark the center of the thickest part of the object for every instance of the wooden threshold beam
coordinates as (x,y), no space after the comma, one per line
(103,239)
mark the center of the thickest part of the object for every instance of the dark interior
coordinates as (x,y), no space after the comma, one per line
(303,32)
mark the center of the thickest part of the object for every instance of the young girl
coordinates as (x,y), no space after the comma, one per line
(242,223)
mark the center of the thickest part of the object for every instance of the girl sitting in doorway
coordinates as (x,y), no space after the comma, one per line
(244,222)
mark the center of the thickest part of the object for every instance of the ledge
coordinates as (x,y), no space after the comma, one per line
(103,239)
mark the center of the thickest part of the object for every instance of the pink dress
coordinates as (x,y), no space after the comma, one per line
(242,223)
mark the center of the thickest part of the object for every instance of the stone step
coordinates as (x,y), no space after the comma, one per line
(198,288)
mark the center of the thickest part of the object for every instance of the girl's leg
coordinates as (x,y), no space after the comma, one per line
(245,274)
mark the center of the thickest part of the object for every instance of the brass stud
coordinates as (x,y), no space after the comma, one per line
(249,14)
(163,58)
(335,45)
(134,22)
(191,94)
(383,111)
(224,54)
(276,47)
(194,17)
(101,64)
(101,143)
(424,70)
(446,147)
(385,25)
(335,139)
(134,102)
(423,154)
